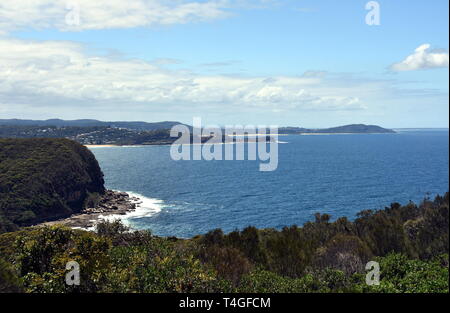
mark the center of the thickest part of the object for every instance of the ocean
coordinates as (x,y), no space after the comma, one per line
(335,174)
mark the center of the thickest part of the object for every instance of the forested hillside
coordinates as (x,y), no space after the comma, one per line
(43,179)
(140,126)
(409,242)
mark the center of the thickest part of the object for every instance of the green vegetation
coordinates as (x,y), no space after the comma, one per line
(409,242)
(97,135)
(49,178)
(89,123)
(43,179)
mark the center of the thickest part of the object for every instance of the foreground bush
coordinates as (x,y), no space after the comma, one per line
(410,243)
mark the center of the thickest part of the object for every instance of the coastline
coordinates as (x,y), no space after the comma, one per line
(100,146)
(165,143)
(111,206)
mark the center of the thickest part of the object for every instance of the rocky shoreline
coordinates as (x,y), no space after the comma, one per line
(110,203)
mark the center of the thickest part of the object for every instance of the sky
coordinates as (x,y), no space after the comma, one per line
(308,63)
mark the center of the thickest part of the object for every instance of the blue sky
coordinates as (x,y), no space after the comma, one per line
(299,63)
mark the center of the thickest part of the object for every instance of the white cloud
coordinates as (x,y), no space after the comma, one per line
(60,73)
(106,14)
(422,58)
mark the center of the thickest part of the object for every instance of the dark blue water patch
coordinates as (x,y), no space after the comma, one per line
(336,174)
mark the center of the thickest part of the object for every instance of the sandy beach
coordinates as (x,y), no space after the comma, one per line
(100,146)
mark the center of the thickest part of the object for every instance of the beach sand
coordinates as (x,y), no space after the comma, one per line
(100,146)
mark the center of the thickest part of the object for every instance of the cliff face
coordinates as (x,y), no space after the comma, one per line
(44,179)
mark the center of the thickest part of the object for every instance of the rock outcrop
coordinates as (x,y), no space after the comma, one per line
(45,179)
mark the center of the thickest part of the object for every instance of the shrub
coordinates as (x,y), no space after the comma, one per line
(9,280)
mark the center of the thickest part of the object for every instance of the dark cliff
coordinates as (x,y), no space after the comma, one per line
(44,179)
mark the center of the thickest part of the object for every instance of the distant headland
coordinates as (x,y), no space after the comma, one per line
(93,132)
(346,129)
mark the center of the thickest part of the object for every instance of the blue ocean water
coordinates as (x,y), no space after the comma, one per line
(335,174)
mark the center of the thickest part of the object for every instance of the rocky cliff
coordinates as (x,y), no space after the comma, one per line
(45,179)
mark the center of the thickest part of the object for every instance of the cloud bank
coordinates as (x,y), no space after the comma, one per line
(58,73)
(422,58)
(77,15)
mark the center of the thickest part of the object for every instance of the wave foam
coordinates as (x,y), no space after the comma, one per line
(144,207)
